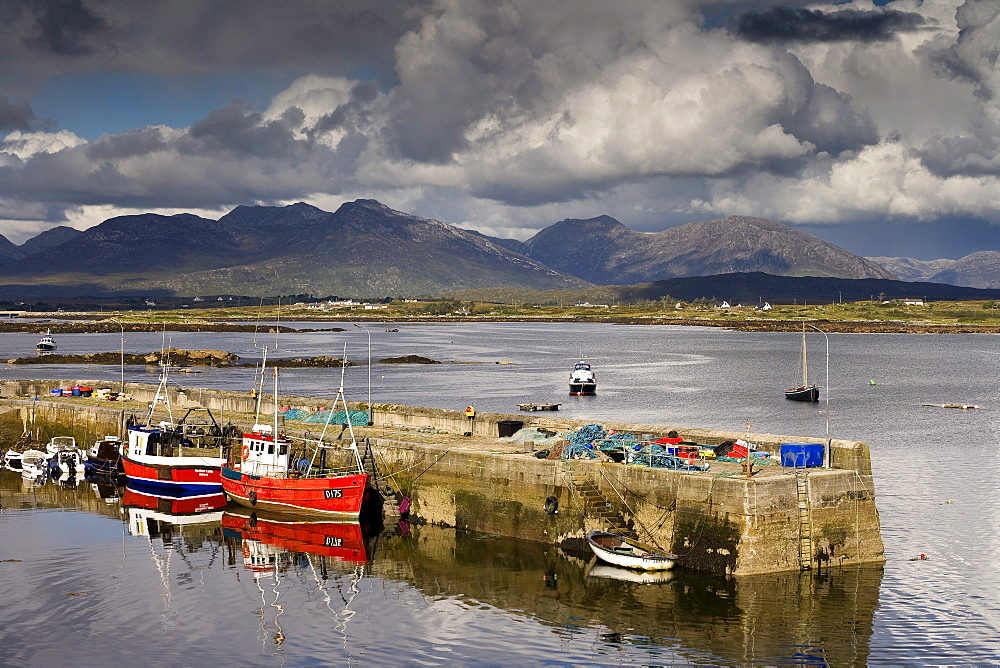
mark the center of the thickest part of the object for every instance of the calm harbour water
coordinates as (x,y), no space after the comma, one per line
(88,581)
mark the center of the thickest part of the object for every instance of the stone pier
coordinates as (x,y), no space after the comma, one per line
(457,473)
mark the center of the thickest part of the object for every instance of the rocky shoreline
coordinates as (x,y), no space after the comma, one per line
(176,357)
(105,326)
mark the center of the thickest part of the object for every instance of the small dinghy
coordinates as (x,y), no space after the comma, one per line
(628,553)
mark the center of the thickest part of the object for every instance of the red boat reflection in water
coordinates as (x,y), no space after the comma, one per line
(269,540)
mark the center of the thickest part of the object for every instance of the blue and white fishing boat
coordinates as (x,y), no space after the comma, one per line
(46,344)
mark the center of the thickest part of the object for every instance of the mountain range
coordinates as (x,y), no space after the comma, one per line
(367,249)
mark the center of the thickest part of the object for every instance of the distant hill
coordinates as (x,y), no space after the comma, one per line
(367,249)
(48,239)
(9,252)
(602,250)
(754,288)
(748,289)
(976,270)
(364,248)
(510,244)
(908,269)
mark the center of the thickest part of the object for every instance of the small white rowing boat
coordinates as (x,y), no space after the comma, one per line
(627,552)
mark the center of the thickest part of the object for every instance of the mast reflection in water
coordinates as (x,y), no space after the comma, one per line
(438,596)
(196,583)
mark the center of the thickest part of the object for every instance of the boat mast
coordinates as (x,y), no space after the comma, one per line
(161,391)
(274,434)
(341,400)
(805,365)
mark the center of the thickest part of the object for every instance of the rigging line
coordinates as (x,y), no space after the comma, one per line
(636,494)
(635,516)
(431,465)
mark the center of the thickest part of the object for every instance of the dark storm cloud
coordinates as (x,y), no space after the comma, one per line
(19,116)
(970,155)
(239,129)
(134,143)
(178,38)
(799,24)
(351,116)
(64,27)
(973,57)
(830,122)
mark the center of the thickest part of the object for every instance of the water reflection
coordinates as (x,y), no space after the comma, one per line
(310,558)
(788,618)
(270,543)
(156,504)
(327,591)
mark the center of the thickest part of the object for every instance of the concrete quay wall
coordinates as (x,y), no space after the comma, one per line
(719,524)
(777,520)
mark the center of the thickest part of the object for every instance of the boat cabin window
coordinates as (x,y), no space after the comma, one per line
(283,449)
(270,448)
(151,444)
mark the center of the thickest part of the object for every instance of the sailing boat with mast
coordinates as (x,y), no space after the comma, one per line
(277,472)
(806,392)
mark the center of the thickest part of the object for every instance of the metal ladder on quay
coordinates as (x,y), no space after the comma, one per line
(370,466)
(805,522)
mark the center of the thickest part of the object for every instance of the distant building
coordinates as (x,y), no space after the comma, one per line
(913,301)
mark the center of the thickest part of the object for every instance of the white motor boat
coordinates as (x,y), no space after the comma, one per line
(57,443)
(581,380)
(46,344)
(68,462)
(65,456)
(34,463)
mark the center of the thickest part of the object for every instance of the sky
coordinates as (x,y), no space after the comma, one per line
(873,124)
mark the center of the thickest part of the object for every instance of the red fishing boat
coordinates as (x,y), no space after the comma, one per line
(274,472)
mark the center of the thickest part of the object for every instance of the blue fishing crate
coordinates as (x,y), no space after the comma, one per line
(802,455)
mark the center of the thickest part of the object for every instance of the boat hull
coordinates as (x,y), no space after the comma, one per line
(582,389)
(807,393)
(619,551)
(337,496)
(103,466)
(187,474)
